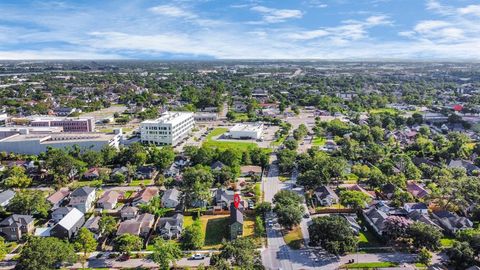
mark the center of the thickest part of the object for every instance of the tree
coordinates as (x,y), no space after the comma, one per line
(107,225)
(263,208)
(196,183)
(238,253)
(461,255)
(333,233)
(63,166)
(192,236)
(289,215)
(45,253)
(354,199)
(154,207)
(92,158)
(288,208)
(127,243)
(3,248)
(29,202)
(424,235)
(165,253)
(162,157)
(396,227)
(424,257)
(15,177)
(286,160)
(471,236)
(291,144)
(85,241)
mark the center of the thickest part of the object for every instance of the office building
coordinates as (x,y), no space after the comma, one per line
(23,142)
(169,129)
(69,124)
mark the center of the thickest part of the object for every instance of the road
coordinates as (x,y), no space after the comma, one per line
(277,255)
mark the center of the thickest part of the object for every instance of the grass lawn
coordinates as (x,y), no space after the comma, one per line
(283,178)
(90,183)
(210,142)
(249,226)
(128,194)
(446,242)
(318,141)
(216,132)
(352,178)
(214,228)
(367,239)
(333,206)
(136,183)
(371,265)
(279,141)
(390,111)
(294,238)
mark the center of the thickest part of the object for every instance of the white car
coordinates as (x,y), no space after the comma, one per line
(198,257)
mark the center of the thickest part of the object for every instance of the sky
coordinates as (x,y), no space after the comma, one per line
(242,29)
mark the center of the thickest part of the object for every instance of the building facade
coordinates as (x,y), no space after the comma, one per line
(69,124)
(169,129)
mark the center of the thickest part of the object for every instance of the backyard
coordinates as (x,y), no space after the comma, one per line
(294,238)
(214,229)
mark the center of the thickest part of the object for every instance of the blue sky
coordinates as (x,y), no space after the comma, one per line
(249,29)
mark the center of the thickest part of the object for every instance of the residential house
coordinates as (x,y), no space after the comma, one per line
(128,212)
(6,196)
(356,228)
(217,166)
(424,218)
(146,172)
(58,198)
(469,167)
(223,198)
(357,187)
(109,199)
(170,227)
(173,171)
(236,223)
(418,207)
(171,198)
(417,190)
(15,226)
(388,190)
(145,196)
(92,224)
(250,171)
(451,222)
(140,226)
(83,198)
(325,196)
(59,213)
(376,219)
(91,174)
(69,225)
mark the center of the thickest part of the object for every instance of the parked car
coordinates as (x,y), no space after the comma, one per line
(197,256)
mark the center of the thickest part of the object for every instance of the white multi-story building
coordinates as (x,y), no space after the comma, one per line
(169,129)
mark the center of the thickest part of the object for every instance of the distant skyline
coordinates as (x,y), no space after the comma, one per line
(249,29)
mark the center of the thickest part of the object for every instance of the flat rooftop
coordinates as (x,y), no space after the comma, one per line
(172,118)
(59,137)
(247,127)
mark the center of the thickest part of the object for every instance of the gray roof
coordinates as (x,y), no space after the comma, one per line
(16,220)
(6,195)
(169,222)
(324,191)
(235,215)
(61,211)
(81,192)
(171,194)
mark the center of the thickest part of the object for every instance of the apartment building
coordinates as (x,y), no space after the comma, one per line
(69,124)
(169,129)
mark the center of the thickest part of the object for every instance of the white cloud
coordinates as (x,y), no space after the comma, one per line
(272,15)
(471,9)
(172,11)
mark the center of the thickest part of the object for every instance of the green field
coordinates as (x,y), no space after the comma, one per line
(390,111)
(210,142)
(370,265)
(318,141)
